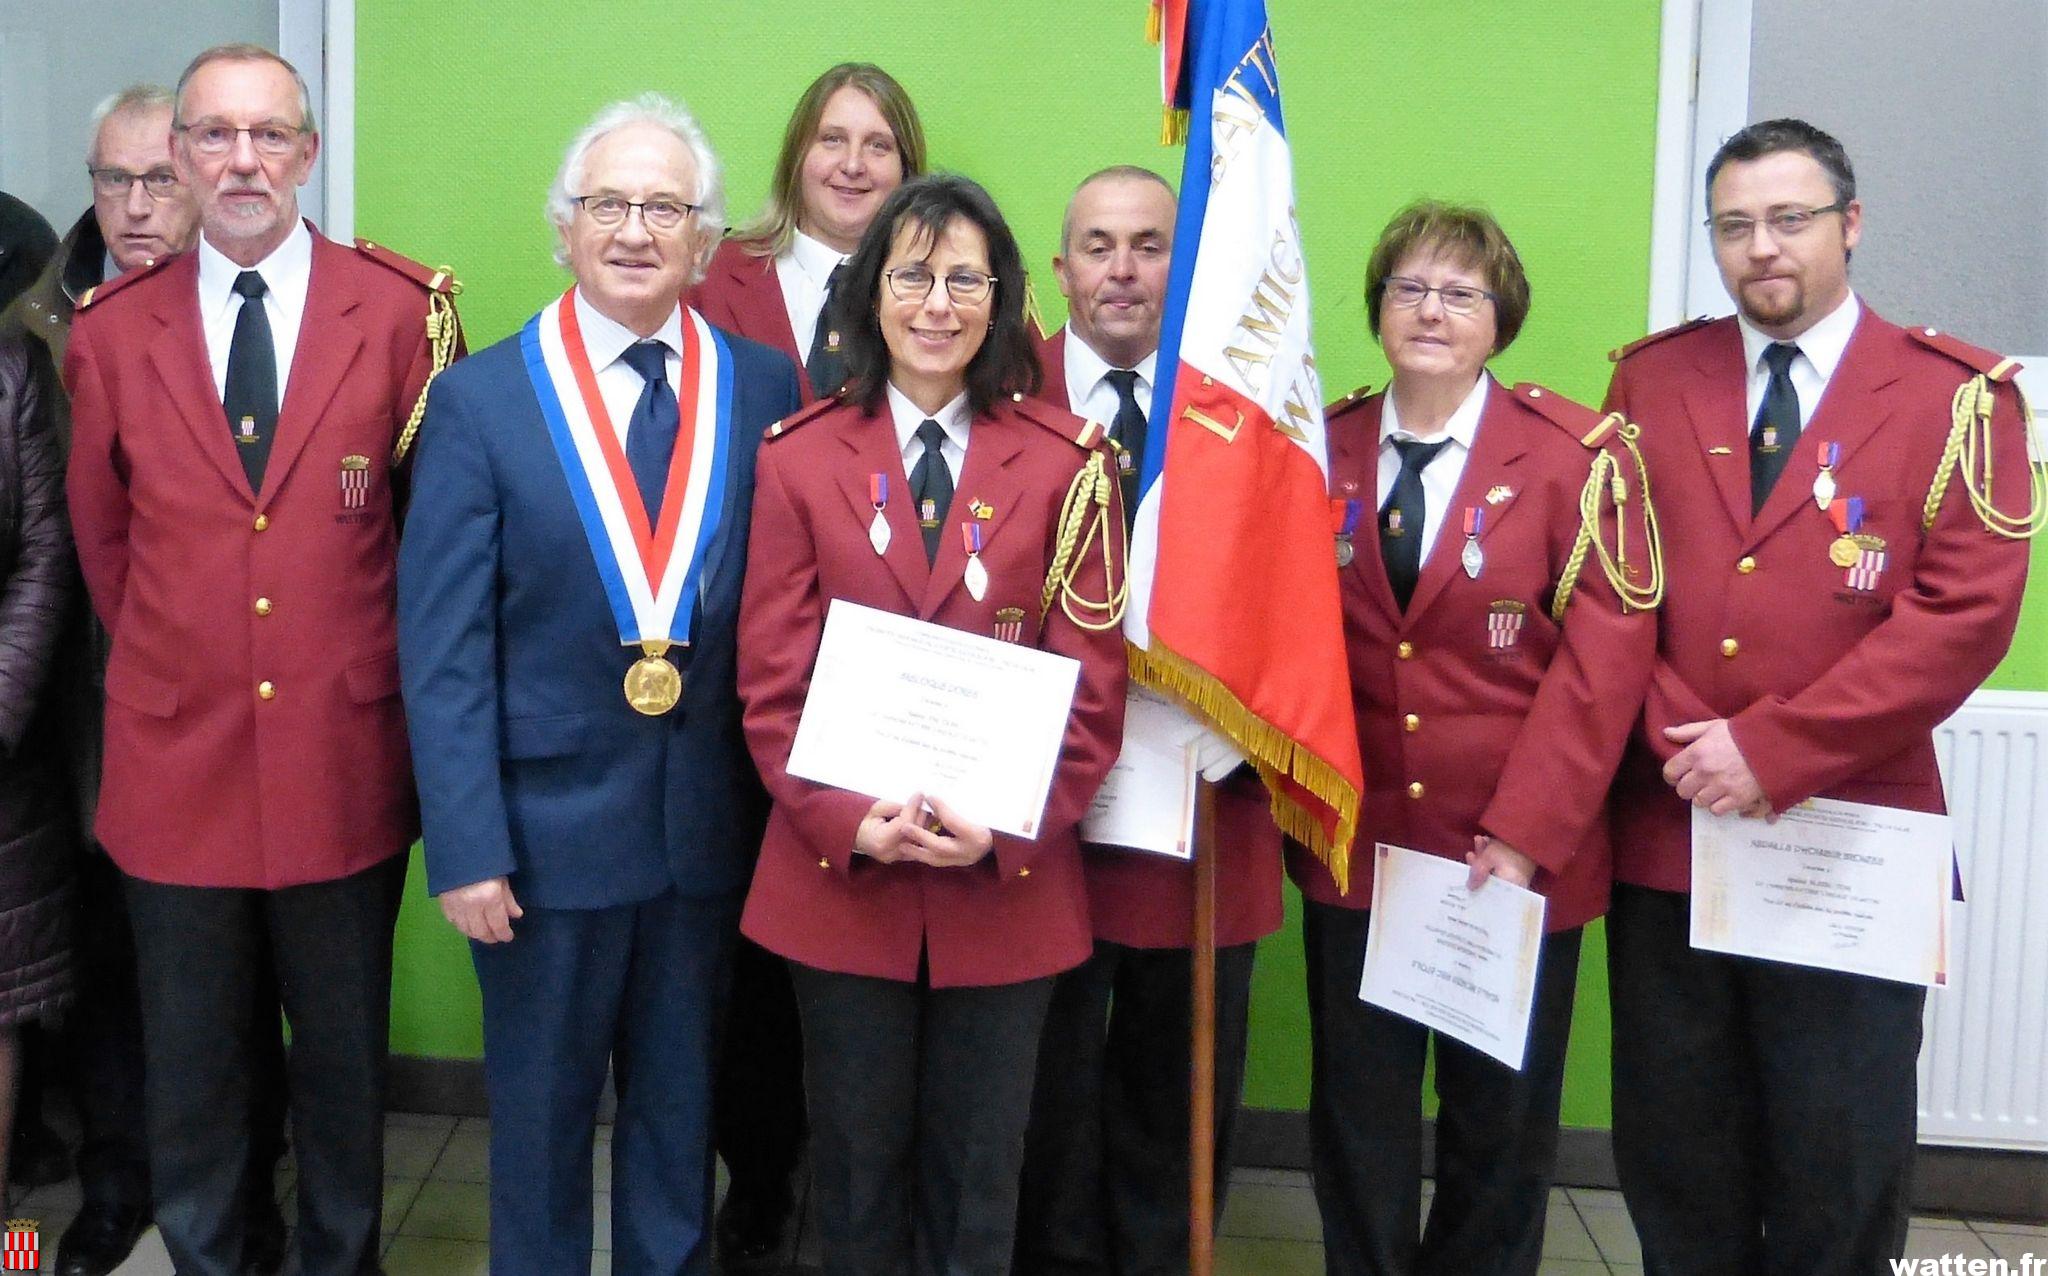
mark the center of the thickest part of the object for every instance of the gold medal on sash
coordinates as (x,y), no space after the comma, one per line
(1843,551)
(653,685)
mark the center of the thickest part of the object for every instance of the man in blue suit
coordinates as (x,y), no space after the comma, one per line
(569,587)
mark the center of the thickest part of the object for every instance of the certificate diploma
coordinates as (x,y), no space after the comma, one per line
(898,706)
(1147,803)
(1838,885)
(1460,961)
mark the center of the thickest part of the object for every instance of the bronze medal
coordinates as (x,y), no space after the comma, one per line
(1843,551)
(653,685)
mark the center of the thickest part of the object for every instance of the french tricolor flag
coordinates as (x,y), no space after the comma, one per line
(1234,608)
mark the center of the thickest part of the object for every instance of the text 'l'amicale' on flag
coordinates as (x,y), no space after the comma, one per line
(1234,606)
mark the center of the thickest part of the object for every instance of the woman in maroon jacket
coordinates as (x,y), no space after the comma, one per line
(1494,685)
(923,947)
(853,138)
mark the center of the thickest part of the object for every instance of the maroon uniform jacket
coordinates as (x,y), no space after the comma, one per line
(1142,900)
(1477,713)
(740,293)
(1832,679)
(253,731)
(1022,912)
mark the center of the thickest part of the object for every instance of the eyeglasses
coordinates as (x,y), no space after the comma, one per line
(656,214)
(914,283)
(1459,299)
(160,183)
(1784,224)
(272,141)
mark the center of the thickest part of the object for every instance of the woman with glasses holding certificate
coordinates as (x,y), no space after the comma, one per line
(1497,570)
(923,945)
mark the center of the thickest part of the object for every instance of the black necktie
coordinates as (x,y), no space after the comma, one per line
(1401,518)
(1776,427)
(827,370)
(250,397)
(651,434)
(1129,432)
(931,486)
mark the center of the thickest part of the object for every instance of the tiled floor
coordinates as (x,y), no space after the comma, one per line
(436,1212)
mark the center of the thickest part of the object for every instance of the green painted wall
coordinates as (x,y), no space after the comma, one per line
(1546,112)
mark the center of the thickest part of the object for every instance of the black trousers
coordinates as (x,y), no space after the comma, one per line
(918,1101)
(199,953)
(1105,1186)
(1755,1098)
(99,1049)
(759,1112)
(1496,1129)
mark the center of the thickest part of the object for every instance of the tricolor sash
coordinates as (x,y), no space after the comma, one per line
(652,588)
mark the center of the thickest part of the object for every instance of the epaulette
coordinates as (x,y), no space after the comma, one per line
(1348,403)
(1994,366)
(801,415)
(444,326)
(1623,352)
(101,291)
(1589,427)
(1091,435)
(1615,479)
(440,280)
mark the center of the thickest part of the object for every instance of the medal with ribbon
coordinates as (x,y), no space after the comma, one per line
(1847,517)
(878,496)
(1824,482)
(976,576)
(1858,552)
(1344,516)
(1473,558)
(651,572)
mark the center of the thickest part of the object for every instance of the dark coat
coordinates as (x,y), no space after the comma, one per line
(36,587)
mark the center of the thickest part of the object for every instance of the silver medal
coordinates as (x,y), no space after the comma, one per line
(1824,489)
(1345,552)
(878,533)
(1473,558)
(975,577)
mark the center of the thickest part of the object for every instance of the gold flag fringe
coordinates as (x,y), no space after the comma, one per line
(1154,23)
(1173,127)
(1271,751)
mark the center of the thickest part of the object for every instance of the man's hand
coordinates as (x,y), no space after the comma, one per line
(955,844)
(1711,772)
(1491,857)
(884,833)
(483,911)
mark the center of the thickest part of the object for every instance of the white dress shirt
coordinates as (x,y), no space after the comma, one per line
(953,419)
(287,273)
(606,342)
(1440,477)
(1088,387)
(1820,353)
(803,269)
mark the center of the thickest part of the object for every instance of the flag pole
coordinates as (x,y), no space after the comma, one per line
(1202,1044)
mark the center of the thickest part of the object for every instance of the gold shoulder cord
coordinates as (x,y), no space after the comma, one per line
(1969,451)
(443,327)
(1079,533)
(1606,476)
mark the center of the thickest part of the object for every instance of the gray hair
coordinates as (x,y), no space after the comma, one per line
(648,108)
(136,97)
(246,53)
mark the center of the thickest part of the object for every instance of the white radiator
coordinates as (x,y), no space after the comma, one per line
(1984,1064)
